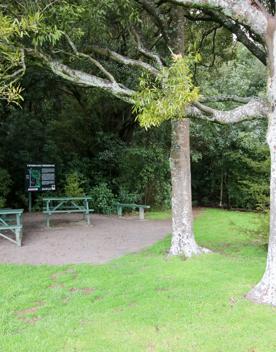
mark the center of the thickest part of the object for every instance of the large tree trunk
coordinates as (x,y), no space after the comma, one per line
(183,240)
(265,291)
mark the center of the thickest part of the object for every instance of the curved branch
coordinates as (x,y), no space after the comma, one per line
(84,79)
(242,34)
(90,58)
(155,14)
(225,98)
(246,11)
(255,108)
(113,55)
(147,53)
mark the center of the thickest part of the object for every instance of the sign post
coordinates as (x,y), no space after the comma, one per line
(40,178)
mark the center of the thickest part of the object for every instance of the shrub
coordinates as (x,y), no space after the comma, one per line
(103,200)
(74,185)
(5,186)
(128,197)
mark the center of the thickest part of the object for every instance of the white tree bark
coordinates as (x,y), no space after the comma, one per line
(247,12)
(265,291)
(183,239)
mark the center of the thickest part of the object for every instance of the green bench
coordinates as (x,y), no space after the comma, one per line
(11,224)
(121,206)
(58,205)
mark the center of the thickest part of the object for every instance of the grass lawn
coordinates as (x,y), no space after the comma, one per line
(145,301)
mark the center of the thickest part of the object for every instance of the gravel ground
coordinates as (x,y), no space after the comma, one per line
(71,241)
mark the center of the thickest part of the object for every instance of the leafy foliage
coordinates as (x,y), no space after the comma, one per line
(74,185)
(103,200)
(167,96)
(5,186)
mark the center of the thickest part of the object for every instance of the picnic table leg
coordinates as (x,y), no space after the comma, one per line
(88,218)
(141,213)
(87,212)
(47,220)
(119,210)
(47,214)
(18,231)
(18,236)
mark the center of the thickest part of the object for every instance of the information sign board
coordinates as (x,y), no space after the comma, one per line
(40,177)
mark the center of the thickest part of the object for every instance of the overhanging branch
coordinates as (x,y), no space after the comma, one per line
(84,79)
(255,108)
(246,11)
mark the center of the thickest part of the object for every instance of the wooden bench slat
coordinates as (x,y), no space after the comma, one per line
(68,211)
(58,199)
(11,227)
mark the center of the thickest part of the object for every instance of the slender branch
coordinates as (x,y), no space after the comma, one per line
(155,14)
(125,60)
(91,59)
(48,6)
(225,98)
(16,75)
(147,53)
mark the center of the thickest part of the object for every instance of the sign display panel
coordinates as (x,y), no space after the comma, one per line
(40,177)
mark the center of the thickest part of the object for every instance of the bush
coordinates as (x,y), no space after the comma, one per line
(145,171)
(74,185)
(5,186)
(127,197)
(103,200)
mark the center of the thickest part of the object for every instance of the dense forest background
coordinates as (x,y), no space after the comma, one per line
(100,149)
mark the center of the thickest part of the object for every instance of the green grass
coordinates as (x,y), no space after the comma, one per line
(159,215)
(144,301)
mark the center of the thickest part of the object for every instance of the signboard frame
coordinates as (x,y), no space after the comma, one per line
(39,178)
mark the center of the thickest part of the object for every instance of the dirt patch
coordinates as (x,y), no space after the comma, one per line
(85,290)
(28,314)
(76,242)
(56,276)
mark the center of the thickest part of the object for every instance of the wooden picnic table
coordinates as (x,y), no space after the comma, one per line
(57,205)
(11,224)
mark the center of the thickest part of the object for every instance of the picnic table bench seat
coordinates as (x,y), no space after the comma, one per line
(59,205)
(141,207)
(11,224)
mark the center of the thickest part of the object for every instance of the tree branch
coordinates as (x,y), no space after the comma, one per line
(225,98)
(155,14)
(16,75)
(242,34)
(110,54)
(90,58)
(245,11)
(147,53)
(255,108)
(84,79)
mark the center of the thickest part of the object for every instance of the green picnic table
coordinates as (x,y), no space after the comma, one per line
(11,224)
(57,205)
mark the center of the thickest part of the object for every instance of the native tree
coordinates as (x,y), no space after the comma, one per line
(56,44)
(253,24)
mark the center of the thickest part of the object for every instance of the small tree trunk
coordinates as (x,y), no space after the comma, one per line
(183,240)
(265,291)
